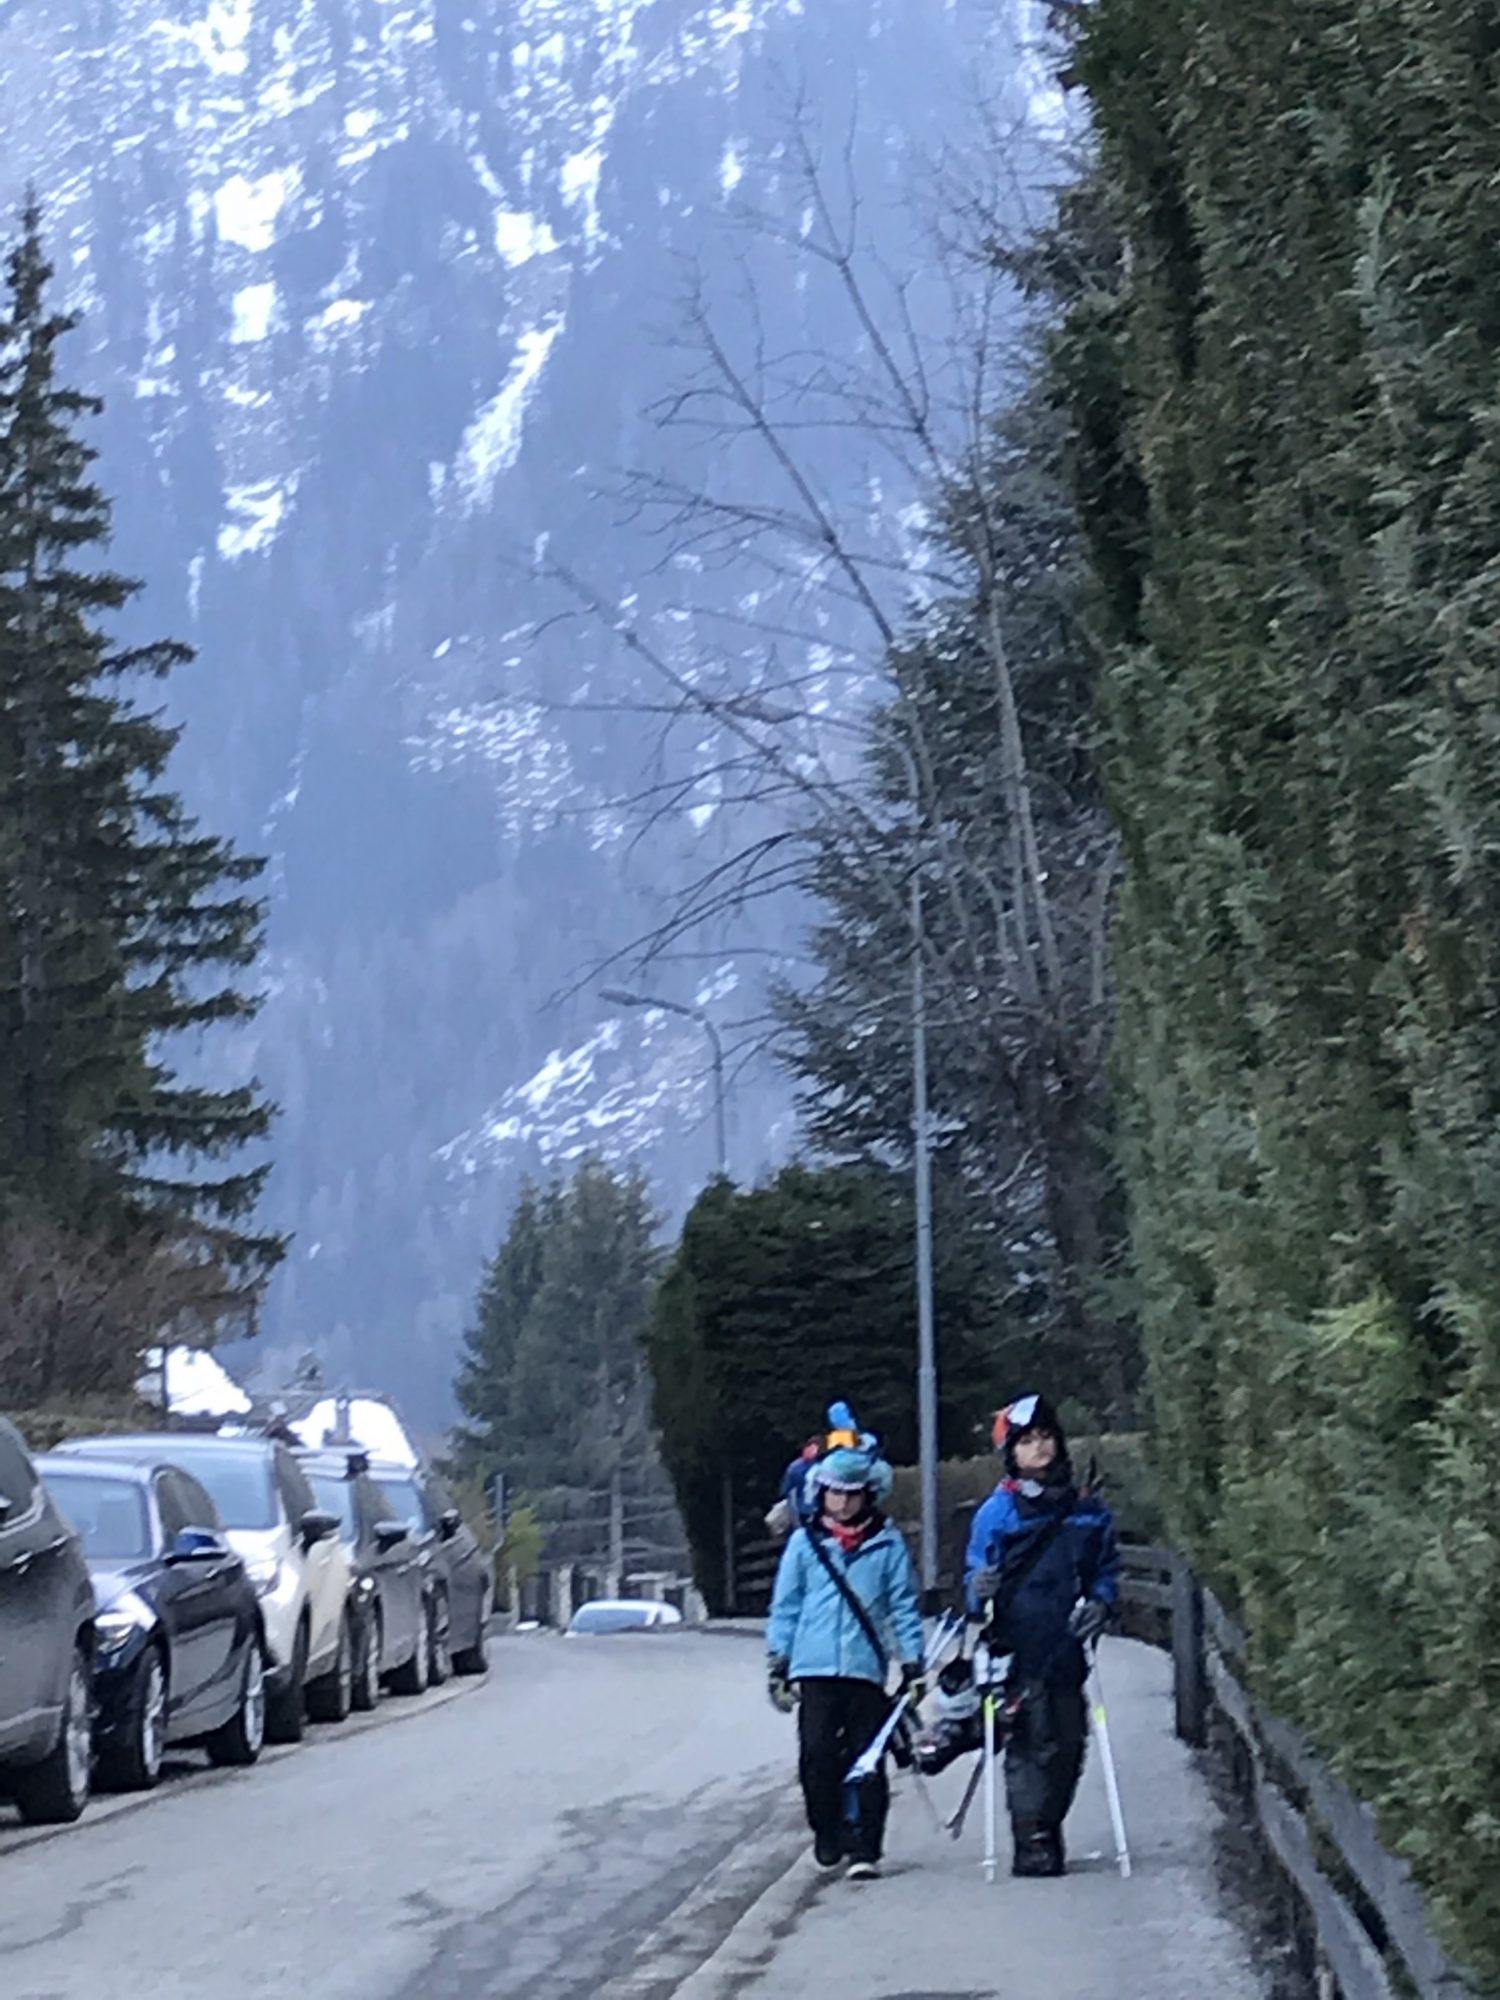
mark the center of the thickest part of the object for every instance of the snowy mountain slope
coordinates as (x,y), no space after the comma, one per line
(379,292)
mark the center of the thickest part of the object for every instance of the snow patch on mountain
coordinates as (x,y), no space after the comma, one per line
(245,210)
(255,515)
(601,1097)
(253,307)
(492,443)
(532,771)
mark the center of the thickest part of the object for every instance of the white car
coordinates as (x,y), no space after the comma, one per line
(624,1614)
(296,1561)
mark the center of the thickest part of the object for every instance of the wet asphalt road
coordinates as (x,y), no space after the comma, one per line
(512,1838)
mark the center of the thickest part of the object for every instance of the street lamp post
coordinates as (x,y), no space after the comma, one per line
(927,1400)
(619,997)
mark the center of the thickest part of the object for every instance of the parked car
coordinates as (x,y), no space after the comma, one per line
(46,1646)
(291,1548)
(179,1653)
(388,1592)
(624,1614)
(460,1584)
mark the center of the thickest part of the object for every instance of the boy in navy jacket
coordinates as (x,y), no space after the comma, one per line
(1043,1567)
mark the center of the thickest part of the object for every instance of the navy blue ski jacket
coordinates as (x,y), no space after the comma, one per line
(1082,1560)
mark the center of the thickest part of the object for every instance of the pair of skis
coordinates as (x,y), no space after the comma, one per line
(868,1762)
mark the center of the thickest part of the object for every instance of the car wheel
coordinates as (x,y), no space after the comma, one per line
(367,1664)
(56,1791)
(241,1738)
(475,1659)
(439,1643)
(134,1760)
(286,1713)
(331,1696)
(411,1676)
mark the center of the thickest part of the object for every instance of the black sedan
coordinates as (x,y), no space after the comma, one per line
(460,1582)
(387,1595)
(180,1654)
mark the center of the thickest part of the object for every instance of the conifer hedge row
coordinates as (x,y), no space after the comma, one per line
(1287,450)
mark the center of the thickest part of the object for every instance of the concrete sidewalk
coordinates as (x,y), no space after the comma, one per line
(932,1929)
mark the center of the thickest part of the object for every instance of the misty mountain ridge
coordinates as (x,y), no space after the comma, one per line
(382,295)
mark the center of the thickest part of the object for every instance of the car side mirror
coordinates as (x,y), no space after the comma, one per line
(390,1535)
(197,1545)
(318,1527)
(449,1523)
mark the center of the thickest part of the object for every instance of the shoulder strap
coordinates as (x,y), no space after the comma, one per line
(850,1597)
(1012,1577)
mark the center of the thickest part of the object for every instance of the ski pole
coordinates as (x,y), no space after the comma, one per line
(956,1823)
(1107,1764)
(989,1783)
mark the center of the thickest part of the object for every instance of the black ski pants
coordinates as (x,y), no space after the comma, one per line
(1044,1756)
(836,1720)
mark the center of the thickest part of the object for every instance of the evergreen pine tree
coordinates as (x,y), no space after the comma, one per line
(553,1379)
(121,923)
(484,1387)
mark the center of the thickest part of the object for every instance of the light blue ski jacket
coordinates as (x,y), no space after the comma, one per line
(812,1626)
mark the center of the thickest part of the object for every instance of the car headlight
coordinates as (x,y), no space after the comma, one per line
(128,1615)
(264,1575)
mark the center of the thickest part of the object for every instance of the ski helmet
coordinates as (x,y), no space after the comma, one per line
(1027,1413)
(852,1469)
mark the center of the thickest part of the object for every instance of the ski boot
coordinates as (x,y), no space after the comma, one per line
(1038,1851)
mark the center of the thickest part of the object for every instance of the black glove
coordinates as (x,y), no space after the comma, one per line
(779,1686)
(914,1683)
(1088,1620)
(985,1584)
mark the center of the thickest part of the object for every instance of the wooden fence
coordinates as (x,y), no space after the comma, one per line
(1374,1937)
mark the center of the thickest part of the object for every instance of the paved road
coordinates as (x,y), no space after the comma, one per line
(515,1838)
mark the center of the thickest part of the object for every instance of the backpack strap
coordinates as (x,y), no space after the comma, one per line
(1013,1576)
(850,1597)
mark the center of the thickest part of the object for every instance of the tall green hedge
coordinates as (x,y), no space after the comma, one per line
(1299,371)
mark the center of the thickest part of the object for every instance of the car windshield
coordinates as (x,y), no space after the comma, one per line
(404,1497)
(335,1496)
(239,1484)
(109,1515)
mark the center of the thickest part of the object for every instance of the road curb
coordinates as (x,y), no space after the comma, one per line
(721,1930)
(751,1944)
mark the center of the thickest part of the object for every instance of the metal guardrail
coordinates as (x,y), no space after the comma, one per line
(1298,1803)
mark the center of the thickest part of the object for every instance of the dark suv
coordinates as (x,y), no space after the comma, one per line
(458,1580)
(46,1647)
(388,1585)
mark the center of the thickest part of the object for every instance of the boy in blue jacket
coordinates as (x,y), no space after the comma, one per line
(1043,1567)
(822,1660)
